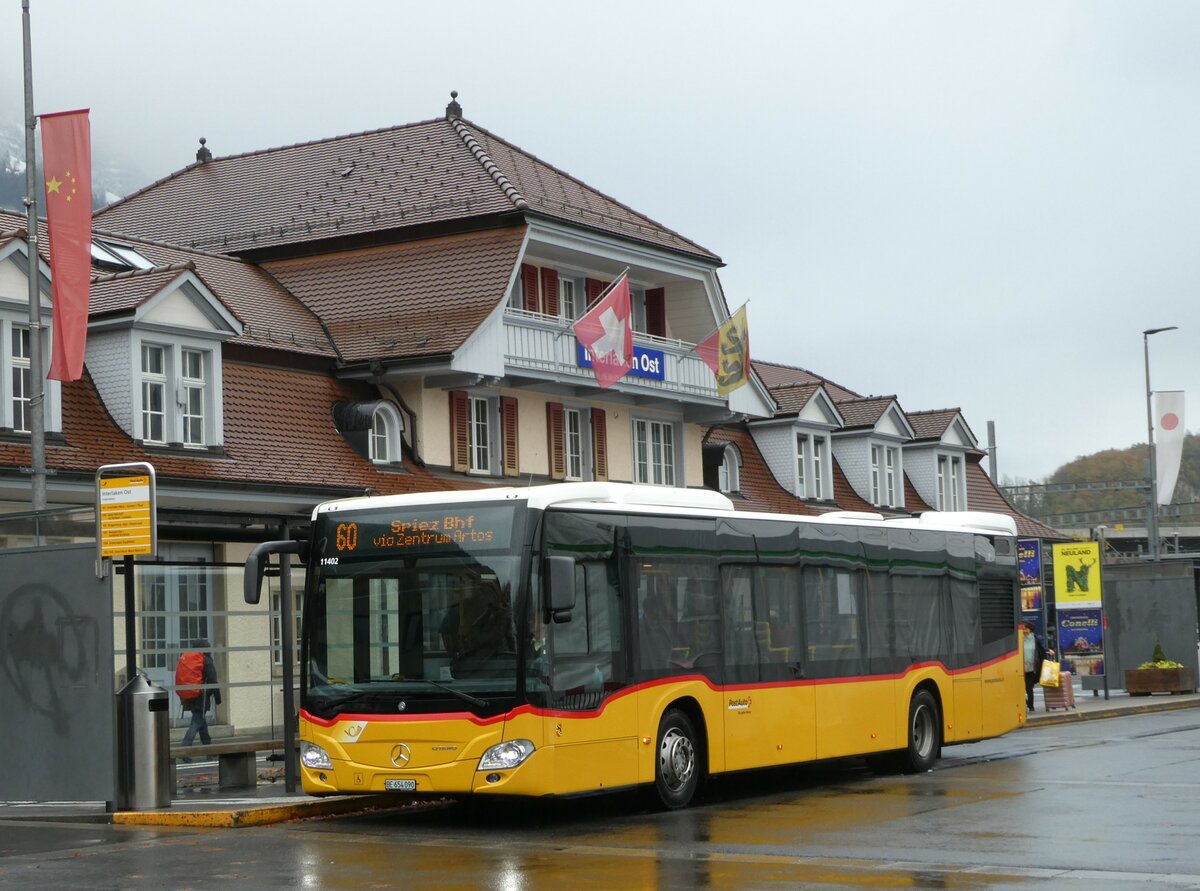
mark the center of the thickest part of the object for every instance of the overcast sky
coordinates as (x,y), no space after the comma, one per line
(972,205)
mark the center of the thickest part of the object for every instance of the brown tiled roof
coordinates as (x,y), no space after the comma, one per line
(792,399)
(435,171)
(934,423)
(129,290)
(417,298)
(982,494)
(774,375)
(931,424)
(863,412)
(272,437)
(270,315)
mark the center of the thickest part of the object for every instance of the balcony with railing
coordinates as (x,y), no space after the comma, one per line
(542,346)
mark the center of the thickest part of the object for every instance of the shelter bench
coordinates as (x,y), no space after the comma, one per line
(236,759)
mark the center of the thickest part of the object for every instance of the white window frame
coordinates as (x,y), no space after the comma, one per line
(637,304)
(813,469)
(154,382)
(482,428)
(574,452)
(820,451)
(886,474)
(178,387)
(19,377)
(383,437)
(951,482)
(51,389)
(655,463)
(572,309)
(191,386)
(729,477)
(801,465)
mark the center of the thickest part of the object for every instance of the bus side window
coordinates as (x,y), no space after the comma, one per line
(832,618)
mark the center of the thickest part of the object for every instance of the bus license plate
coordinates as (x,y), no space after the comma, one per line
(400,785)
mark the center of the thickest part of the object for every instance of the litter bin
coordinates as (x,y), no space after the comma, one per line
(143,746)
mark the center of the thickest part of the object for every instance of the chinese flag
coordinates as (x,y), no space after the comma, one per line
(727,352)
(607,334)
(67,168)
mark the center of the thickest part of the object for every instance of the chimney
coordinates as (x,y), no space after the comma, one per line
(203,155)
(453,110)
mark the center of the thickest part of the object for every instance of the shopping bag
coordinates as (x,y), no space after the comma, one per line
(1050,674)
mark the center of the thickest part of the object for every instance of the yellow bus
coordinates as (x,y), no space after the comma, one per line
(577,638)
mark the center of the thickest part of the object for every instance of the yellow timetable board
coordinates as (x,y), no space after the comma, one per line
(126,520)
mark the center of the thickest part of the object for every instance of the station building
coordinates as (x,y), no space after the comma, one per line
(391,312)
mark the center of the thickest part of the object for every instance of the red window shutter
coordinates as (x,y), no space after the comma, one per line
(599,444)
(460,441)
(555,441)
(550,290)
(508,426)
(529,279)
(593,288)
(656,311)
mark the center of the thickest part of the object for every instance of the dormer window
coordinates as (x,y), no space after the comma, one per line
(812,466)
(951,483)
(885,476)
(154,390)
(728,474)
(176,396)
(383,442)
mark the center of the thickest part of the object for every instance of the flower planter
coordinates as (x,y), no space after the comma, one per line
(1144,681)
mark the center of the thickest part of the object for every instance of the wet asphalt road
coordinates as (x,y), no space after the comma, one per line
(1091,805)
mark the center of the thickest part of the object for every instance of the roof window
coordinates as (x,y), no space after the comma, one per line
(122,256)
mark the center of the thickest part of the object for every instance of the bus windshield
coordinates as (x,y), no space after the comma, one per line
(412,609)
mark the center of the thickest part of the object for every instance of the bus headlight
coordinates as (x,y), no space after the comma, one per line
(506,755)
(315,757)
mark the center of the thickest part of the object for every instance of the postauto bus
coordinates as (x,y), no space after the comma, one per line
(575,638)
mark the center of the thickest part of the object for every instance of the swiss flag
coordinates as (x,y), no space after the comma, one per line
(606,333)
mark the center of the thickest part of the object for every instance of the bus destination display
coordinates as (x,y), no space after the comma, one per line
(397,532)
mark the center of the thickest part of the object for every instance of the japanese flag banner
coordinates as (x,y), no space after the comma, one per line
(1169,433)
(607,334)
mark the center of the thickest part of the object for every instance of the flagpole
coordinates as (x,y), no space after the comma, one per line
(37,419)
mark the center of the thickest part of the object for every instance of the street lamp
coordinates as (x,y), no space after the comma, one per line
(1152,518)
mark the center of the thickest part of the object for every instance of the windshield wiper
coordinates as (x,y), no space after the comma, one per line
(466,697)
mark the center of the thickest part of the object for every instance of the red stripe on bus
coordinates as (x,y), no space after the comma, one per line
(646,685)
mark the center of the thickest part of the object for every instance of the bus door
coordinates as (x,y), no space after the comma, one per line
(966,722)
(768,713)
(585,669)
(854,714)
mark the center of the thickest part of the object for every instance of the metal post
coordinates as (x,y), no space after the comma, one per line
(130,623)
(991,450)
(37,419)
(288,643)
(1152,517)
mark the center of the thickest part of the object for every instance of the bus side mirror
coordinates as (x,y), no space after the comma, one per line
(256,565)
(560,579)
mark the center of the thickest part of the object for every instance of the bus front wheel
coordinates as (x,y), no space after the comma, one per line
(676,767)
(924,737)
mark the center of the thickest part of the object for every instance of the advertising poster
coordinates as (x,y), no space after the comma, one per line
(1081,636)
(1029,565)
(1077,575)
(1029,561)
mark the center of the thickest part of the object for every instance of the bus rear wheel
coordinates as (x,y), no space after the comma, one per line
(924,737)
(676,766)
